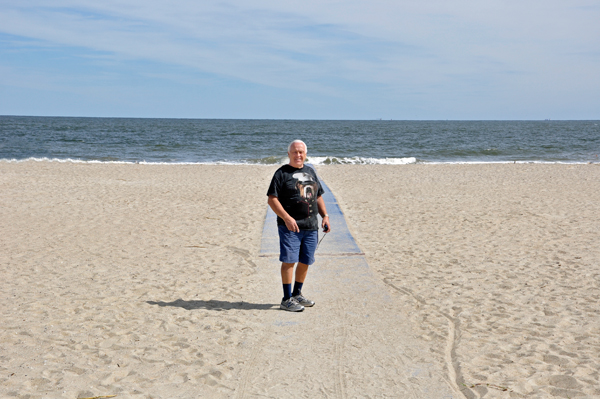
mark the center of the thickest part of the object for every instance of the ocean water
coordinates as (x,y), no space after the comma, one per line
(265,141)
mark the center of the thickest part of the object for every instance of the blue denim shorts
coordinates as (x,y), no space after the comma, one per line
(297,247)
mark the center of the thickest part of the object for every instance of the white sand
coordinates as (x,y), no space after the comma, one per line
(502,260)
(145,282)
(86,251)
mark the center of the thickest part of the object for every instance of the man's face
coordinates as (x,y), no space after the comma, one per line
(297,155)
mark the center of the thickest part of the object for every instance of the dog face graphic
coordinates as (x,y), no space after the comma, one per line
(307,186)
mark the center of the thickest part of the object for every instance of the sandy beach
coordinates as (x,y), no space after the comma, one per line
(145,281)
(502,260)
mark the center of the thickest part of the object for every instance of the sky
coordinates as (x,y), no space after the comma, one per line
(266,59)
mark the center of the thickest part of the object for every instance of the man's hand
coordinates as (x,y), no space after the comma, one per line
(323,212)
(325,224)
(291,224)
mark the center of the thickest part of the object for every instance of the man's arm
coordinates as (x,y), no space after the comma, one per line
(323,212)
(276,206)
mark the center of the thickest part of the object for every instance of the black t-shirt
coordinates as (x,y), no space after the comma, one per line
(297,190)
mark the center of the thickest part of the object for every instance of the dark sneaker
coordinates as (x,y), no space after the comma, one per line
(291,305)
(303,301)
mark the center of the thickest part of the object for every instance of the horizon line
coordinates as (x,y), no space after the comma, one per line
(304,119)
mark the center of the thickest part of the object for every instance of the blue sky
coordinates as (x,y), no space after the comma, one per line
(301,59)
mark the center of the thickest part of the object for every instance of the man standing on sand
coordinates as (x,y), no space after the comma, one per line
(295,197)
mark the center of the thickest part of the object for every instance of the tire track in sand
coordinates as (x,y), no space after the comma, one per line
(251,366)
(452,365)
(340,343)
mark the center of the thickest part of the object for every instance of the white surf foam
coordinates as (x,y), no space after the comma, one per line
(360,161)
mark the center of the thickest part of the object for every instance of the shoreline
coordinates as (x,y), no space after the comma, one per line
(317,164)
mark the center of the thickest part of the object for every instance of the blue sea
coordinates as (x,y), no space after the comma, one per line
(224,141)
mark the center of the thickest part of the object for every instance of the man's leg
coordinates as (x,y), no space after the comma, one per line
(287,274)
(307,257)
(301,272)
(289,249)
(288,302)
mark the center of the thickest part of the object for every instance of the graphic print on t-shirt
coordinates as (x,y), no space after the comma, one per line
(306,185)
